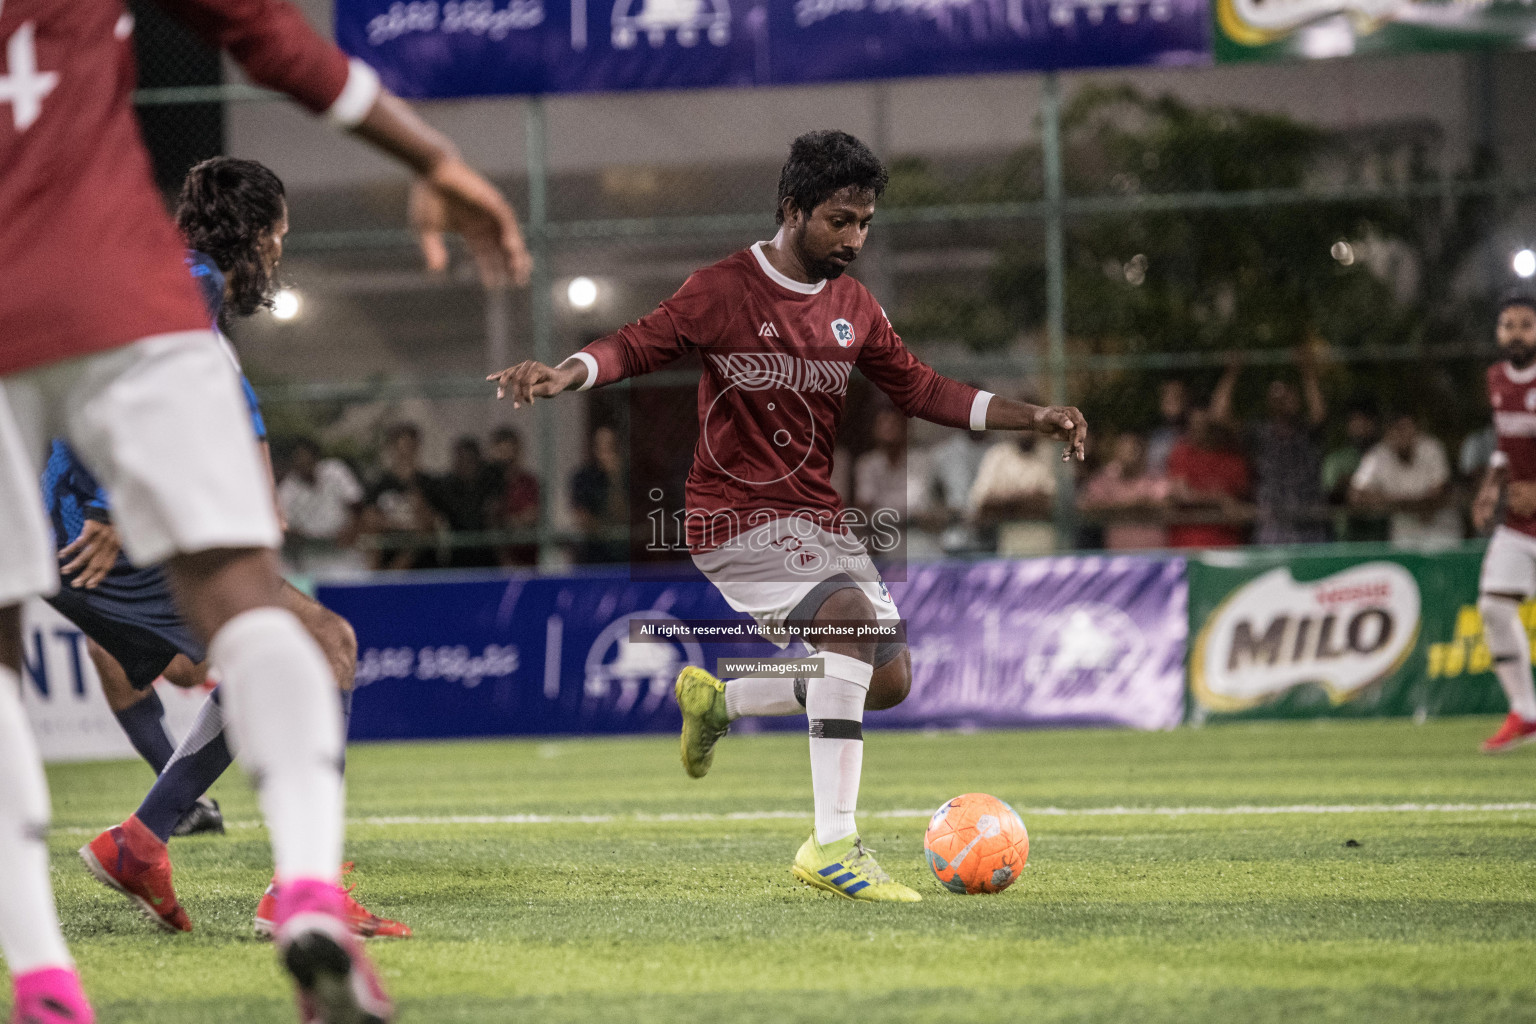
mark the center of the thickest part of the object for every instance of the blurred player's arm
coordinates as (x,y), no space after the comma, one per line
(920,390)
(646,345)
(1485,507)
(277,48)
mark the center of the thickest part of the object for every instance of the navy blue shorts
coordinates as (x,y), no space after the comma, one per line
(132,615)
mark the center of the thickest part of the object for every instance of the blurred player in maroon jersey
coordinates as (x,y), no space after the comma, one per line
(780,329)
(104,341)
(1509,567)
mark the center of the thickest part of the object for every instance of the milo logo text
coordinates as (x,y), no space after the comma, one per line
(1271,634)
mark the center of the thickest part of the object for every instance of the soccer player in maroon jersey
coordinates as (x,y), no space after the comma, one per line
(1509,566)
(780,328)
(104,341)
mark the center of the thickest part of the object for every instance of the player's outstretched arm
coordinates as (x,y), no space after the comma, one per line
(530,379)
(1059,422)
(448,195)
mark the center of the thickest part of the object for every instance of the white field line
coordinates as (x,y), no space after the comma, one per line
(1026,812)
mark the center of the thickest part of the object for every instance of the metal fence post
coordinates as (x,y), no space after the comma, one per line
(1056,293)
(541,312)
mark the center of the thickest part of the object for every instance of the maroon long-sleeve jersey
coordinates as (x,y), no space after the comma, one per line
(777,354)
(89,258)
(1512,393)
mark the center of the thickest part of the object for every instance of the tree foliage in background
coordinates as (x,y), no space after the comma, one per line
(1218,281)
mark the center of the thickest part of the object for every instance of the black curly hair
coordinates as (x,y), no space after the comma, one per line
(226,209)
(824,163)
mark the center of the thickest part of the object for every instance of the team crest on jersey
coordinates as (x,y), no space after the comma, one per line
(842,330)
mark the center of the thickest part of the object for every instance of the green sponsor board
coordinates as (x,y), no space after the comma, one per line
(1285,29)
(1348,631)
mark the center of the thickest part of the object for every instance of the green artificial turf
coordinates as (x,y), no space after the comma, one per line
(660,906)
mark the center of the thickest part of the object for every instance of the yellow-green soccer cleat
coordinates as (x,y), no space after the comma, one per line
(846,868)
(702,699)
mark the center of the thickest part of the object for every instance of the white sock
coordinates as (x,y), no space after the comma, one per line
(280,703)
(29,922)
(1511,649)
(764,696)
(835,706)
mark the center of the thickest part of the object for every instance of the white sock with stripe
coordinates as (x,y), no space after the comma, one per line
(29,921)
(835,706)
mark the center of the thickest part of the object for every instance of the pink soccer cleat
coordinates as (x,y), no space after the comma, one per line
(336,982)
(51,995)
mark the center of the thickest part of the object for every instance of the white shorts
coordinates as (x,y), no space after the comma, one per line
(1509,565)
(767,571)
(163,426)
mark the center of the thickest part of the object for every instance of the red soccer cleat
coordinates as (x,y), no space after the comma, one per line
(336,982)
(51,995)
(132,859)
(1511,734)
(364,922)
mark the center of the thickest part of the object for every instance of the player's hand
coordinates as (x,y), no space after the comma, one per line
(529,380)
(91,555)
(455,197)
(1063,423)
(1522,497)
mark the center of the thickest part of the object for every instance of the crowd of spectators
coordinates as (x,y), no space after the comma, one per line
(1205,477)
(396,515)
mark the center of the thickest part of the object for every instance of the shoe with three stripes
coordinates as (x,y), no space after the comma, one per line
(846,868)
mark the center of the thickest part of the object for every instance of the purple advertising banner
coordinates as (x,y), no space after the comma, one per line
(1044,642)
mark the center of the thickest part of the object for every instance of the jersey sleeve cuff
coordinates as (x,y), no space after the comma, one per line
(979,410)
(357,95)
(591,365)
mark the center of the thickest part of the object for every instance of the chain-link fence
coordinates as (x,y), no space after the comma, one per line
(1133,257)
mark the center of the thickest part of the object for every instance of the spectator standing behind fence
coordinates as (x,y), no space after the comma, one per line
(1014,492)
(880,474)
(1128,499)
(397,502)
(468,499)
(319,498)
(1208,477)
(519,495)
(599,502)
(1286,452)
(1350,521)
(948,476)
(1408,477)
(1173,407)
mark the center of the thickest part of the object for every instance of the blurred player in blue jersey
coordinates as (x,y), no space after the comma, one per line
(233,214)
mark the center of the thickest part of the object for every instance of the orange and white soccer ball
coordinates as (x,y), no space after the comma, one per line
(976,843)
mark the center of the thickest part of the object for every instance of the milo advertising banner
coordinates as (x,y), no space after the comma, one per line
(1280,29)
(1378,631)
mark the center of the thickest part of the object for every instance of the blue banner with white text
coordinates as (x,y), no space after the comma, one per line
(451,48)
(1064,641)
